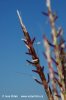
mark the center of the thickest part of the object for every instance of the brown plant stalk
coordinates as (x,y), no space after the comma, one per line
(35,60)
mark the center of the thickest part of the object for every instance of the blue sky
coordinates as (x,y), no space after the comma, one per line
(12,49)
